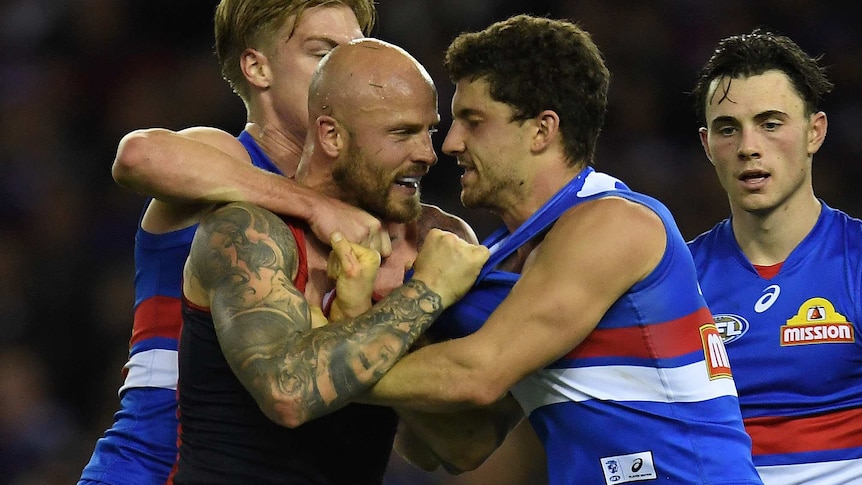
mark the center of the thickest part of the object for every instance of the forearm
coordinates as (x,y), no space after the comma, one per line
(312,374)
(436,378)
(177,168)
(242,258)
(464,440)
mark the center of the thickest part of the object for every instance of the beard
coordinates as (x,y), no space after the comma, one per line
(480,196)
(367,186)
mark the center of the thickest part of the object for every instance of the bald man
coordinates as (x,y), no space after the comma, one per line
(263,390)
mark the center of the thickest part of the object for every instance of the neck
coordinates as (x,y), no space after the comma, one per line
(769,238)
(544,186)
(282,148)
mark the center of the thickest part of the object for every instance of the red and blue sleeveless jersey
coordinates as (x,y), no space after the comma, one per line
(794,344)
(226,439)
(648,396)
(141,445)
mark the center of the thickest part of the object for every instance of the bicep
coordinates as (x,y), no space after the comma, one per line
(245,259)
(218,139)
(583,266)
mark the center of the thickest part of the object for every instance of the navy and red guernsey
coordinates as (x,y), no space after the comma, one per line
(226,439)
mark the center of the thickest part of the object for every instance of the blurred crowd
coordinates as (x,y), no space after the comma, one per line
(79,74)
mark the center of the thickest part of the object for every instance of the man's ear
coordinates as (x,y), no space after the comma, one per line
(816,132)
(703,133)
(255,68)
(329,135)
(547,126)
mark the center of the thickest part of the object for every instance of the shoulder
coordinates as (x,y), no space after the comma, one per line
(242,234)
(612,231)
(249,220)
(435,217)
(705,240)
(853,224)
(843,233)
(617,214)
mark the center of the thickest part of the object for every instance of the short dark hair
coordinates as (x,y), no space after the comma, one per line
(533,64)
(755,53)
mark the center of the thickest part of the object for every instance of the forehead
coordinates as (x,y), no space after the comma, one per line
(474,96)
(335,22)
(407,103)
(474,91)
(770,91)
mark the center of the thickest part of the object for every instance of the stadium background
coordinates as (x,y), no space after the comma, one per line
(78,74)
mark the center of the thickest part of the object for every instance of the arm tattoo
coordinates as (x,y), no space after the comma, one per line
(246,258)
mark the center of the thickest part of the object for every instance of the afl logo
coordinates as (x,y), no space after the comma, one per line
(730,327)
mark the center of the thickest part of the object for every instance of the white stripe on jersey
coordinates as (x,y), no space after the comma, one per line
(846,472)
(689,383)
(152,368)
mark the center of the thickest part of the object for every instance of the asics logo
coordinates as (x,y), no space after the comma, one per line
(770,294)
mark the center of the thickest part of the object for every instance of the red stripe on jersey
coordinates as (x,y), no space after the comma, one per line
(662,340)
(159,316)
(833,431)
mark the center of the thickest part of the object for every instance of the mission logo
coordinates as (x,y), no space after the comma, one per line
(817,322)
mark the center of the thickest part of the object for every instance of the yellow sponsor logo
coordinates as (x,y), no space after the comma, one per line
(817,322)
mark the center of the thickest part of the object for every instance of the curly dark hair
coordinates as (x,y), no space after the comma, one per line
(535,64)
(755,53)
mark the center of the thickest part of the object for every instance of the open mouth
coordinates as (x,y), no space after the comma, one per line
(409,182)
(753,176)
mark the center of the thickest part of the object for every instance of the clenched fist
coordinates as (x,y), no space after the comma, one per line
(449,265)
(354,268)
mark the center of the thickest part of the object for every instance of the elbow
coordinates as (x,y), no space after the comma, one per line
(483,392)
(133,156)
(289,414)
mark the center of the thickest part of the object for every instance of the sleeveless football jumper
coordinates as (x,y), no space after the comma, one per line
(226,439)
(648,396)
(141,445)
(793,341)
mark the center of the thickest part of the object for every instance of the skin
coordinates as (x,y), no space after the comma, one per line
(188,171)
(278,117)
(491,150)
(761,142)
(244,258)
(569,278)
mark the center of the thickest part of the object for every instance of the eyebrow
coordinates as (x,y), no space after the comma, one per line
(465,112)
(770,113)
(723,120)
(407,127)
(317,38)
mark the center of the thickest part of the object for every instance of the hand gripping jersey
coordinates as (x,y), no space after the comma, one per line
(648,396)
(141,446)
(226,439)
(794,344)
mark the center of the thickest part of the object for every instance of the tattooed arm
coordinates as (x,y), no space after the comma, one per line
(244,260)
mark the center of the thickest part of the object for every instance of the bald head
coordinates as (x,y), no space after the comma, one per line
(362,76)
(372,110)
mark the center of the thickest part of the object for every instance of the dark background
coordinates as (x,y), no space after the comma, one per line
(79,74)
